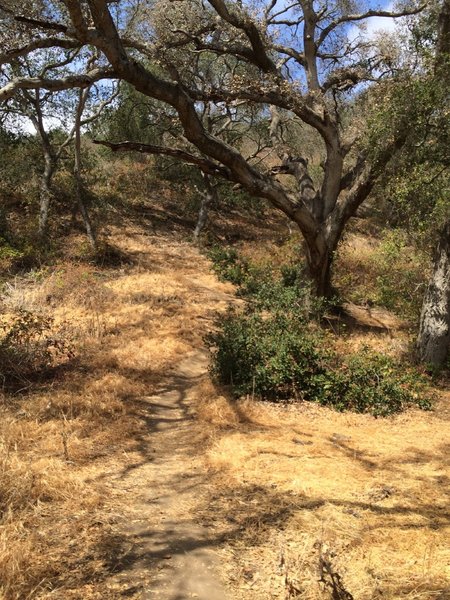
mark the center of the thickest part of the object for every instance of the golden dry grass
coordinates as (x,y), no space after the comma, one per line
(65,439)
(303,482)
(287,487)
(383,270)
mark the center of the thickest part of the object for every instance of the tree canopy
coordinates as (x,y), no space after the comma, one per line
(302,58)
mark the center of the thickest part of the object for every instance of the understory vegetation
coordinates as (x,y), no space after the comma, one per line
(276,348)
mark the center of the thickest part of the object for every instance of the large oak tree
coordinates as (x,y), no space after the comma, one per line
(294,57)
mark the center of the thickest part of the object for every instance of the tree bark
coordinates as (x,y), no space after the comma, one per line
(319,261)
(45,193)
(209,198)
(433,342)
(79,186)
(50,161)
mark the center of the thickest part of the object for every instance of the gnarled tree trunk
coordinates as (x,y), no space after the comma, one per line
(433,342)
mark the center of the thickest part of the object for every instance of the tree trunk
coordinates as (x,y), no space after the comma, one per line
(79,187)
(209,198)
(318,271)
(433,342)
(320,275)
(45,194)
(79,192)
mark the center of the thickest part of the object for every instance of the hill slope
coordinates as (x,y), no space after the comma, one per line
(127,470)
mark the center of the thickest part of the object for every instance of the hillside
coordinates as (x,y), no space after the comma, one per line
(127,473)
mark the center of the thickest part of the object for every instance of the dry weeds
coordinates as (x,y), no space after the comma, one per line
(65,440)
(299,496)
(303,484)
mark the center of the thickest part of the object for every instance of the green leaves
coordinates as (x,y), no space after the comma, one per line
(274,350)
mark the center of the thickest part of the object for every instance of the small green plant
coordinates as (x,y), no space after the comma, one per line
(227,264)
(400,283)
(281,290)
(29,348)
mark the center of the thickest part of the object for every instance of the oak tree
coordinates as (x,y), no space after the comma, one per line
(297,57)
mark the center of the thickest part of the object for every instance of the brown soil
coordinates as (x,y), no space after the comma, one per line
(170,554)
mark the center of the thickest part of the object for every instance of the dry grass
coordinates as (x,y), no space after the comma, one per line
(67,438)
(303,484)
(383,271)
(292,490)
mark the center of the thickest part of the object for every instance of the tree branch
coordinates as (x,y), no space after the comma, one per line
(54,85)
(360,17)
(260,56)
(52,42)
(207,166)
(51,25)
(360,180)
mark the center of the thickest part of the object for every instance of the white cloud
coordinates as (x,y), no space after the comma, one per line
(26,126)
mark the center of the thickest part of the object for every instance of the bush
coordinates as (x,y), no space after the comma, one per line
(266,356)
(228,265)
(280,290)
(278,358)
(373,383)
(391,274)
(29,349)
(277,350)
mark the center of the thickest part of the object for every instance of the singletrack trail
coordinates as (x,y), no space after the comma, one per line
(165,488)
(168,553)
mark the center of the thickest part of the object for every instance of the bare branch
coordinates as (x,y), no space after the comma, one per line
(361,17)
(54,85)
(51,42)
(207,166)
(51,25)
(260,56)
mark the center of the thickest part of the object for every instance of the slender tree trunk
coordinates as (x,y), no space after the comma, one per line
(79,192)
(209,198)
(45,193)
(433,342)
(79,186)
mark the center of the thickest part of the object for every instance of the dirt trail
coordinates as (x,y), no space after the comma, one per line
(171,556)
(168,554)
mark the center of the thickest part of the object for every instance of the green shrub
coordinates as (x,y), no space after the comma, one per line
(227,264)
(371,382)
(266,356)
(400,282)
(392,274)
(278,357)
(266,288)
(276,349)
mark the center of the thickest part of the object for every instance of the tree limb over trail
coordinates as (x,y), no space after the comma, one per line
(207,166)
(55,85)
